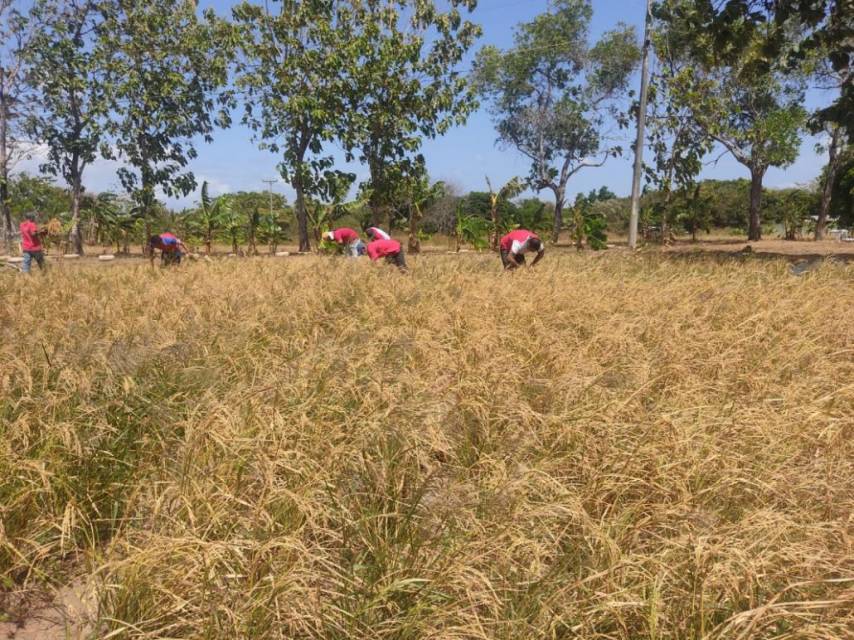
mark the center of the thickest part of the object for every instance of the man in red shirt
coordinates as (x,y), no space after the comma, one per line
(516,244)
(388,249)
(171,248)
(31,242)
(347,240)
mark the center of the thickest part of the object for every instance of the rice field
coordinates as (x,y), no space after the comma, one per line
(620,447)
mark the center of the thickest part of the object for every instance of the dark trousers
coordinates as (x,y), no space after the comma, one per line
(506,260)
(397,260)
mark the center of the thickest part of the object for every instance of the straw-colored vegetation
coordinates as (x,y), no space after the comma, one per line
(620,447)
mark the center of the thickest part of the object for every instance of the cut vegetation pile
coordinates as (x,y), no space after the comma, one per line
(623,447)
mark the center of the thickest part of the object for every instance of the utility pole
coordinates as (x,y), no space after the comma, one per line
(636,178)
(270,182)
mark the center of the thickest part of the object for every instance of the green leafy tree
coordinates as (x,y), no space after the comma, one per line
(67,67)
(748,104)
(553,94)
(290,70)
(677,142)
(695,213)
(791,32)
(168,69)
(507,192)
(842,206)
(16,31)
(402,86)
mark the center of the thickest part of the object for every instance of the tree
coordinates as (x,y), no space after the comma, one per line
(402,86)
(321,215)
(553,94)
(211,214)
(587,224)
(750,106)
(67,67)
(116,218)
(695,211)
(230,221)
(290,70)
(838,76)
(168,68)
(510,190)
(678,144)
(791,32)
(271,229)
(16,30)
(420,195)
(842,200)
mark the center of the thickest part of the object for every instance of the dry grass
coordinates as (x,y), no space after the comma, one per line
(620,447)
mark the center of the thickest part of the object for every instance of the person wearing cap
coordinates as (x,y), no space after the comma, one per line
(375,233)
(516,244)
(31,242)
(347,240)
(171,248)
(388,249)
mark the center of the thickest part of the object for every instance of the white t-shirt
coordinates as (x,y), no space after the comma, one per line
(521,247)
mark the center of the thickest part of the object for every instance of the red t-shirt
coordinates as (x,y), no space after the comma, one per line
(30,239)
(167,242)
(515,241)
(378,233)
(345,235)
(382,248)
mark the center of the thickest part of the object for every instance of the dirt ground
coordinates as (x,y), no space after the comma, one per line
(63,615)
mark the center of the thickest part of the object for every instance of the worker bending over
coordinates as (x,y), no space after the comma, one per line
(171,249)
(516,244)
(347,240)
(388,249)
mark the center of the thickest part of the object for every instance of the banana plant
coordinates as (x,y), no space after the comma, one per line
(422,195)
(271,230)
(212,215)
(116,219)
(510,190)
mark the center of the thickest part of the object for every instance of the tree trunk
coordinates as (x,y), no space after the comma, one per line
(558,219)
(414,225)
(302,218)
(234,248)
(208,241)
(75,237)
(755,227)
(252,249)
(4,166)
(665,230)
(495,222)
(827,191)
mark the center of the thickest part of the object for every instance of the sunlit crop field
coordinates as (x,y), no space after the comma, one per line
(611,447)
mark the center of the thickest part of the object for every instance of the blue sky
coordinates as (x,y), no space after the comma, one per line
(465,155)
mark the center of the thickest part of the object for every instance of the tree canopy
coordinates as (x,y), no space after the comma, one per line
(555,94)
